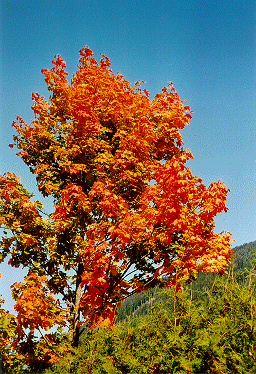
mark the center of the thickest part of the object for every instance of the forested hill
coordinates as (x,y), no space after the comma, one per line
(244,261)
(244,256)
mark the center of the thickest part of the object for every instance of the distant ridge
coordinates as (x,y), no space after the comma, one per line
(244,256)
(243,262)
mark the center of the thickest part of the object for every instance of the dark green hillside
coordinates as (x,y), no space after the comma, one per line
(244,256)
(244,262)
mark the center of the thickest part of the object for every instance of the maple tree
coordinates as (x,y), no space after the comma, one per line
(128,213)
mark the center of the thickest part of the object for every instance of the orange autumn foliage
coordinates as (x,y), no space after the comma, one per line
(128,213)
(35,305)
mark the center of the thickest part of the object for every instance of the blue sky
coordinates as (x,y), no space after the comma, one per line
(206,48)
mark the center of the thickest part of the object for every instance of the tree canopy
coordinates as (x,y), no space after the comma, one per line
(128,214)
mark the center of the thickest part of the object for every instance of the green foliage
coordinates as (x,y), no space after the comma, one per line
(182,333)
(209,327)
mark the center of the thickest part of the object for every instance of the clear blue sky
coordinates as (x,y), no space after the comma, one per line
(207,48)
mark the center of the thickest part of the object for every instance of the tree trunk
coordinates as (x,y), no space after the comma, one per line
(74,328)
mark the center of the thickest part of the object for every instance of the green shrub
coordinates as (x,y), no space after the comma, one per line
(181,333)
